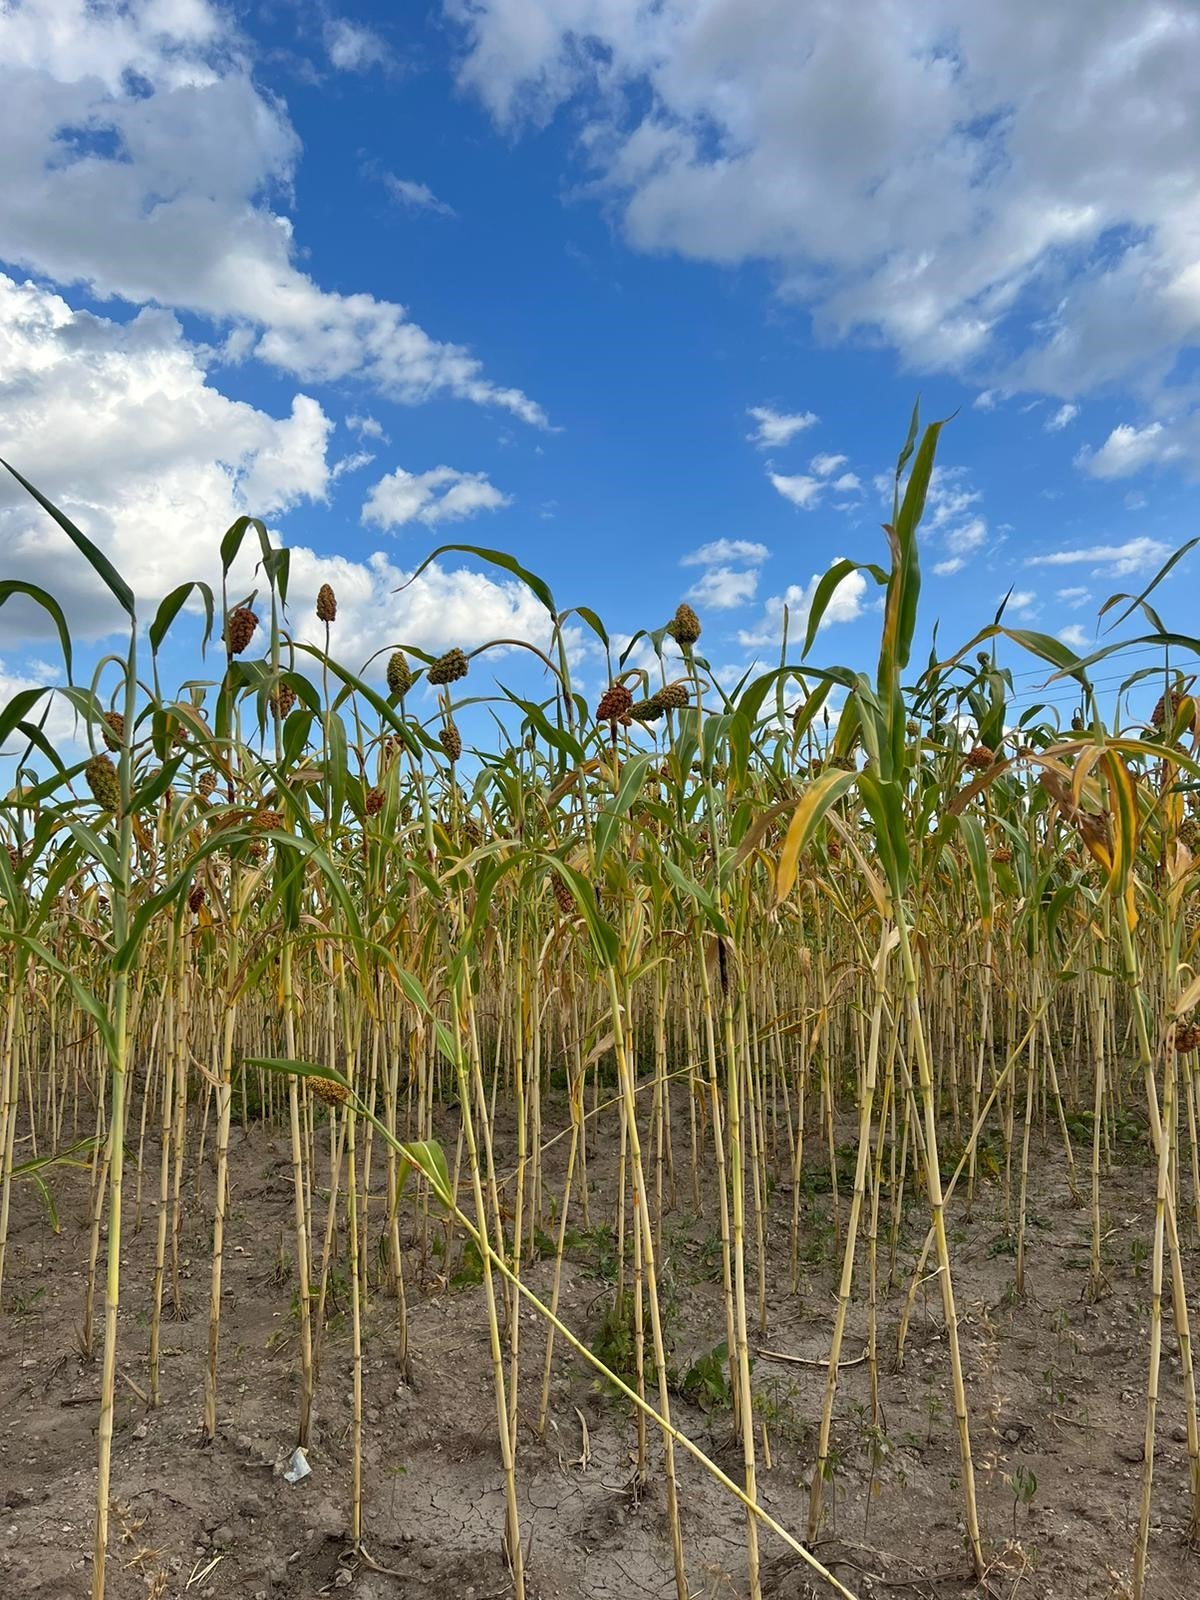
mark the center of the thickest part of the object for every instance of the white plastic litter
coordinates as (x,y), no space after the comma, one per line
(299,1469)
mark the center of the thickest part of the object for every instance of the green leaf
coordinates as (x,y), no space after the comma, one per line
(170,608)
(95,557)
(11,586)
(1139,599)
(428,1157)
(809,810)
(632,779)
(232,542)
(496,558)
(18,708)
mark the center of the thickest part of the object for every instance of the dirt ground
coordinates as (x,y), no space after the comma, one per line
(1056,1389)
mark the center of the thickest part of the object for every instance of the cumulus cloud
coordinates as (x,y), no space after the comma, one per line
(1074,635)
(930,172)
(731,575)
(1116,559)
(157,461)
(723,588)
(719,550)
(799,488)
(777,428)
(1128,449)
(440,495)
(121,174)
(845,605)
(823,465)
(1074,596)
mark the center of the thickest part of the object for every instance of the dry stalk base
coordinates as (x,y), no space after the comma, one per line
(1055,1385)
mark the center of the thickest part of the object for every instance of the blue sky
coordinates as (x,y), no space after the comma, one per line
(641,294)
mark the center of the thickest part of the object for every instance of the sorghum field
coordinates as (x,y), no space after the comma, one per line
(708,1141)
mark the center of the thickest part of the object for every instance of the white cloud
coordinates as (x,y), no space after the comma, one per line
(967,537)
(731,578)
(1074,596)
(1023,600)
(947,568)
(949,497)
(847,483)
(823,465)
(1128,449)
(354,462)
(1065,414)
(722,588)
(366,427)
(721,550)
(933,171)
(440,495)
(846,604)
(800,489)
(353,48)
(141,160)
(1116,559)
(776,428)
(415,196)
(120,427)
(1074,635)
(986,399)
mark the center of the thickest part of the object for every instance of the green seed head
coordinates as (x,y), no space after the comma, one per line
(102,780)
(399,673)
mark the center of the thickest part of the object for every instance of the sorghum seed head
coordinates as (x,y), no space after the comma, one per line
(282,700)
(1002,856)
(1189,833)
(239,629)
(448,668)
(684,626)
(450,740)
(373,804)
(207,783)
(102,780)
(614,703)
(114,729)
(645,710)
(326,604)
(195,897)
(562,895)
(980,757)
(399,673)
(1187,1037)
(673,696)
(267,821)
(328,1091)
(1159,715)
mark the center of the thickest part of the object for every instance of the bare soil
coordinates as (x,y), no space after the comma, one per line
(1056,1388)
